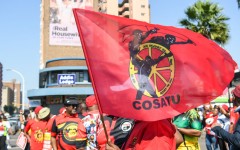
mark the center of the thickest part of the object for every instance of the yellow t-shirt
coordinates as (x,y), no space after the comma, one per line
(190,143)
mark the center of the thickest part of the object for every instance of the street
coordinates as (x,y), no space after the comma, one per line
(201,141)
(13,139)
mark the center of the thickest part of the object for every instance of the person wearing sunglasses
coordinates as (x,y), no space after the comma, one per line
(66,127)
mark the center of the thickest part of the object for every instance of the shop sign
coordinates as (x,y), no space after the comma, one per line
(66,79)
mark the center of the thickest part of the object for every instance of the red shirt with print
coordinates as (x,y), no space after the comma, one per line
(65,128)
(37,133)
(209,124)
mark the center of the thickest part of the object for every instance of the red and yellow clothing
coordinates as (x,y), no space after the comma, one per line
(152,135)
(47,135)
(37,133)
(69,131)
(50,123)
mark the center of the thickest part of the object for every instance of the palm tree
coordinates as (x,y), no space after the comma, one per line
(206,19)
(238,1)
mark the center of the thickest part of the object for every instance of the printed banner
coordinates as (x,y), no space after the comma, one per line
(62,27)
(21,141)
(147,71)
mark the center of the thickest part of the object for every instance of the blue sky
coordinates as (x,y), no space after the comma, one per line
(20,33)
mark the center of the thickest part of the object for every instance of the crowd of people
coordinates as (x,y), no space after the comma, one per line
(79,126)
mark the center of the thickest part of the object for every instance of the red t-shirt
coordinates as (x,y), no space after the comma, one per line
(37,133)
(152,135)
(208,123)
(50,123)
(69,131)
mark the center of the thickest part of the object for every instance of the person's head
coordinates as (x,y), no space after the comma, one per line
(91,103)
(37,109)
(0,118)
(26,114)
(71,105)
(215,111)
(44,114)
(236,96)
(82,108)
(206,107)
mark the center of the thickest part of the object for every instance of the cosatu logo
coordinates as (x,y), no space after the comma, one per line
(70,131)
(152,70)
(38,136)
(152,64)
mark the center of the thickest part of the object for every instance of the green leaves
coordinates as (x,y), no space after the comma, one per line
(206,18)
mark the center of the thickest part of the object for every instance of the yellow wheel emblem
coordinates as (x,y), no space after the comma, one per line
(70,131)
(161,74)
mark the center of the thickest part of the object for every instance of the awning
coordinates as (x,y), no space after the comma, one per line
(36,93)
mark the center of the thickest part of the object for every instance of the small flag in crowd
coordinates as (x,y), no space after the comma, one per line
(150,72)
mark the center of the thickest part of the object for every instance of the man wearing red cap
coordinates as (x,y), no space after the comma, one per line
(91,122)
(234,138)
(37,128)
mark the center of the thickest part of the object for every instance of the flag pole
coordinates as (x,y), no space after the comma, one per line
(104,127)
(89,69)
(229,97)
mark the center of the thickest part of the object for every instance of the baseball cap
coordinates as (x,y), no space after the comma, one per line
(37,109)
(236,91)
(43,113)
(225,107)
(71,101)
(91,100)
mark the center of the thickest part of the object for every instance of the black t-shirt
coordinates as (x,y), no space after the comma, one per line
(121,130)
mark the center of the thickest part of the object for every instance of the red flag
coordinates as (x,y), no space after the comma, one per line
(147,71)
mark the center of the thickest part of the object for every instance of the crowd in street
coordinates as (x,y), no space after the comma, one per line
(80,126)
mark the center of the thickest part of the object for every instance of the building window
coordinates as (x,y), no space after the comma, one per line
(142,6)
(142,14)
(79,75)
(89,79)
(54,76)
